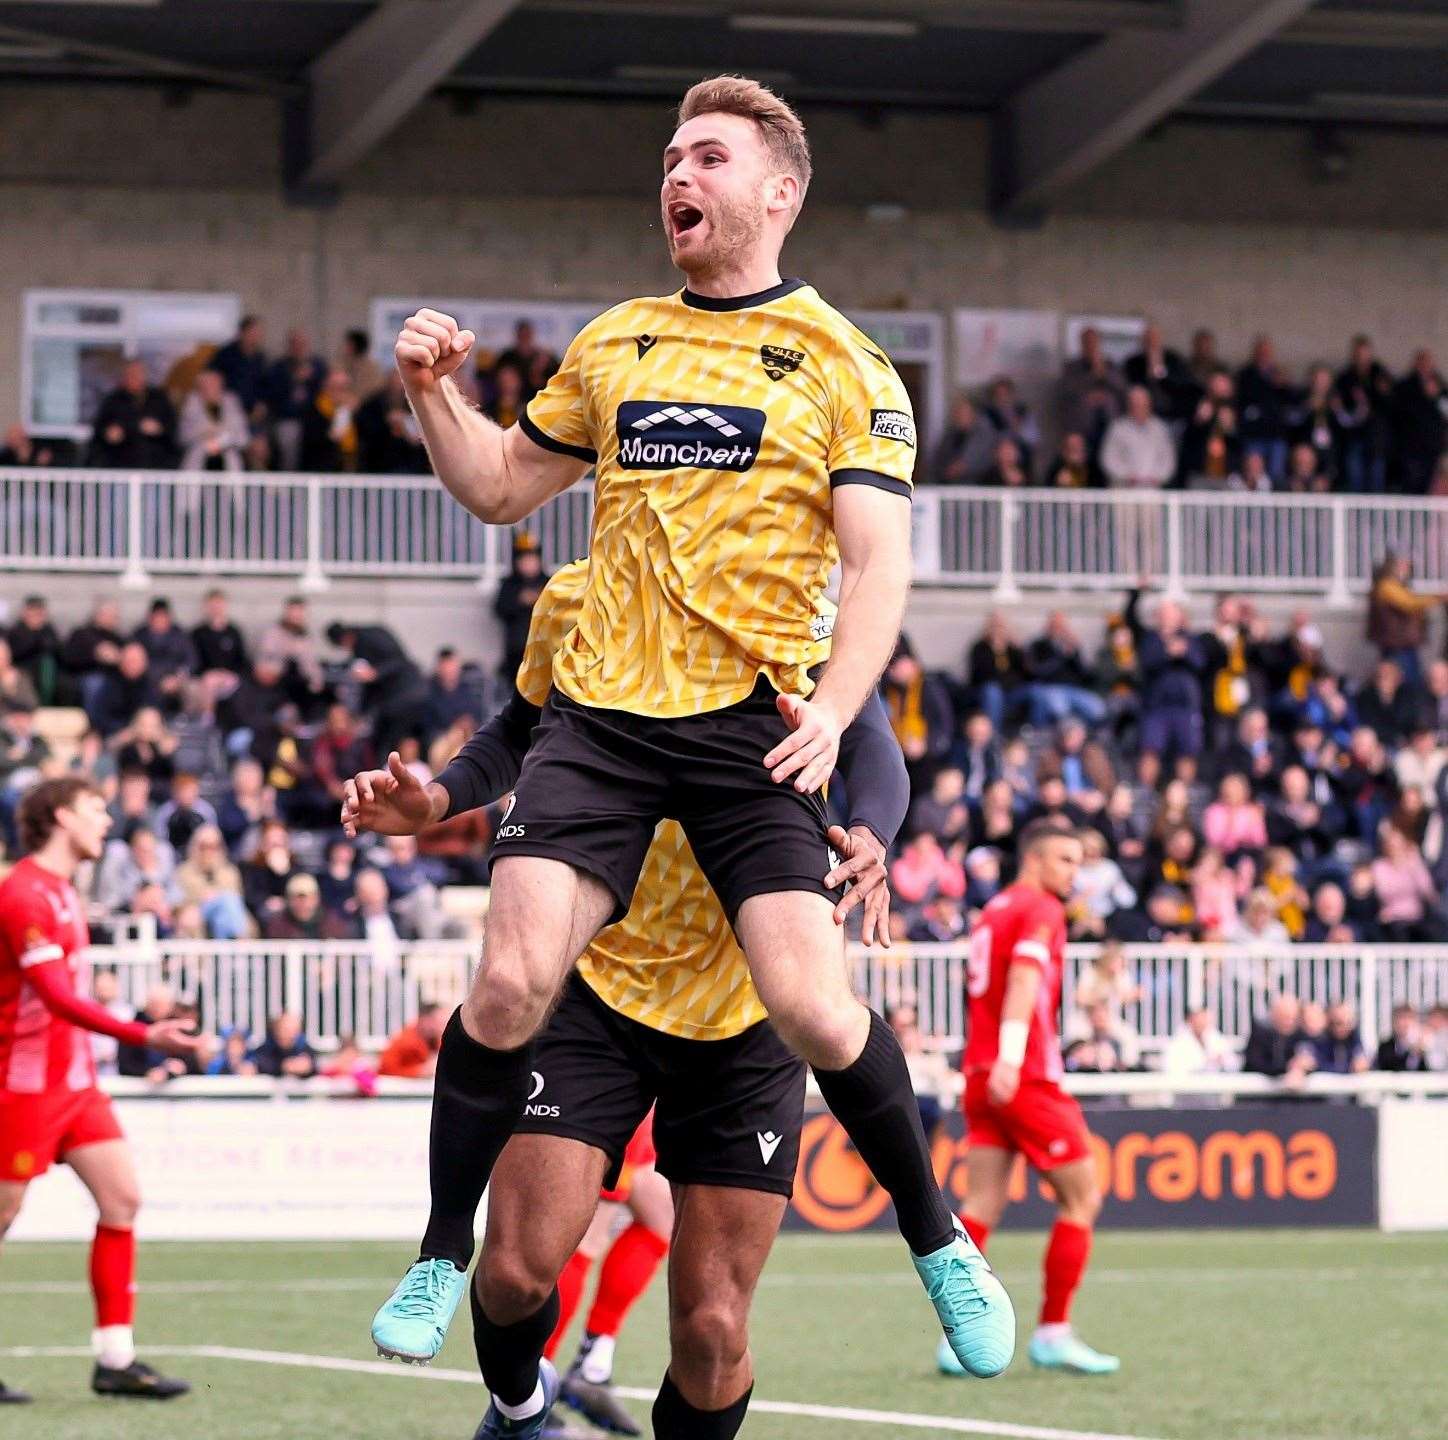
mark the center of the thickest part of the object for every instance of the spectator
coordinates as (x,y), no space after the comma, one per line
(1306,474)
(412,882)
(1388,707)
(148,746)
(363,373)
(1083,766)
(517,594)
(931,1076)
(1397,615)
(1364,392)
(996,670)
(1137,452)
(448,700)
(920,711)
(250,712)
(329,430)
(1097,1045)
(234,1056)
(1172,665)
(1215,892)
(530,359)
(184,813)
(242,365)
(301,916)
(267,872)
(378,921)
(288,645)
(1298,822)
(1279,879)
(1073,467)
(923,870)
(1108,982)
(393,690)
(1092,391)
(997,820)
(106,992)
(941,922)
(1404,1049)
(132,803)
(124,692)
(508,398)
(411,1053)
(290,391)
(285,1051)
(389,441)
(135,427)
(1198,1047)
(1163,374)
(1319,424)
(1008,470)
(1339,1051)
(35,648)
(1265,399)
(209,880)
(245,806)
(170,654)
(1259,925)
(337,881)
(136,860)
(1419,763)
(214,433)
(966,450)
(1211,448)
(22,448)
(1118,674)
(1407,897)
(1011,418)
(217,642)
(16,690)
(1060,684)
(1273,1044)
(1420,424)
(976,754)
(93,651)
(141,1062)
(945,811)
(340,752)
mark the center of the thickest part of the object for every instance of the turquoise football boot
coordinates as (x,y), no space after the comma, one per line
(1072,1354)
(496,1426)
(975,1312)
(413,1323)
(946,1362)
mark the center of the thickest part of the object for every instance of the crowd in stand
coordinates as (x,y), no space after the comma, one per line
(239,407)
(1167,420)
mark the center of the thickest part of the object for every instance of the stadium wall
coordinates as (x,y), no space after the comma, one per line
(117,187)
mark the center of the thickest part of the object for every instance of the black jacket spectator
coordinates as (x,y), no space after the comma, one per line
(1264,400)
(1048,663)
(242,364)
(35,648)
(168,648)
(124,691)
(92,648)
(253,706)
(1399,1056)
(388,440)
(1172,671)
(135,426)
(1269,1051)
(1164,373)
(1420,424)
(514,602)
(1388,706)
(220,648)
(986,665)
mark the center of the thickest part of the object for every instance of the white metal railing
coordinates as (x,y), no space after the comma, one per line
(316,526)
(345,988)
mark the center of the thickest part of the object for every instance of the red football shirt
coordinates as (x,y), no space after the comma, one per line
(41,920)
(1021,925)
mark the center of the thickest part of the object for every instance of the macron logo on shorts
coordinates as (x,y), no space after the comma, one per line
(768,1144)
(512,832)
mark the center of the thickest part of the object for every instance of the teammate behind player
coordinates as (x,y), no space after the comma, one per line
(744,436)
(1014,1103)
(50,1106)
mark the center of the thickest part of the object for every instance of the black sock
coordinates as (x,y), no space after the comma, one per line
(478,1096)
(676,1419)
(874,1102)
(508,1355)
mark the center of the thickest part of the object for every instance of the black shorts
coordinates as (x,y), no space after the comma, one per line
(596,783)
(729,1111)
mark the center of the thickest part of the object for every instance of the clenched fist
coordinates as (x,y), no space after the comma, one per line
(429,348)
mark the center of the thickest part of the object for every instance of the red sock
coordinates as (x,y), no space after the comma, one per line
(1066,1257)
(627,1269)
(113,1275)
(978,1231)
(570,1292)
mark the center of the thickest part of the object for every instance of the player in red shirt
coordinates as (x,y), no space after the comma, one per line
(1014,1103)
(50,1106)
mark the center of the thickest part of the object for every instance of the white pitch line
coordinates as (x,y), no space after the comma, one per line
(900,1420)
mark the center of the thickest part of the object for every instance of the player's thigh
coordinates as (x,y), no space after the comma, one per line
(796,955)
(651,1201)
(1078,1190)
(722,1238)
(108,1170)
(987,1180)
(541,1200)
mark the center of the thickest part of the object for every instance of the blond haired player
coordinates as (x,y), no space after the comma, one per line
(660,1007)
(744,436)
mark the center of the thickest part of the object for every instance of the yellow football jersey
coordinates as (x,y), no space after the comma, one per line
(719,430)
(672,962)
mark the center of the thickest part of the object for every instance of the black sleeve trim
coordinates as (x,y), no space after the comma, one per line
(488,764)
(529,427)
(877,786)
(871,477)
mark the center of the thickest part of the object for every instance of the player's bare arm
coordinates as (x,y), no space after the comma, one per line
(873,529)
(1022,983)
(501,476)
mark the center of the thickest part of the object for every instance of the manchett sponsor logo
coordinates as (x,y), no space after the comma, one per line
(660,435)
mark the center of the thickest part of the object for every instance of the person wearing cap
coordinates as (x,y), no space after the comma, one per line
(518,593)
(302,916)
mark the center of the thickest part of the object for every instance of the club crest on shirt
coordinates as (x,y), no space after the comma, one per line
(779,361)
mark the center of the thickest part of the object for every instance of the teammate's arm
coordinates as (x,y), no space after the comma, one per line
(394,802)
(501,476)
(1023,982)
(873,528)
(50,980)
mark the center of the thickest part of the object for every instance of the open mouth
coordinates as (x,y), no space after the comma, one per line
(683,217)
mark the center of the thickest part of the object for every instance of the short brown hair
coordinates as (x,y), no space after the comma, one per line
(35,819)
(781,128)
(1048,827)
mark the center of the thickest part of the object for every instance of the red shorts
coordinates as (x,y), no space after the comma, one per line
(639,1155)
(1043,1122)
(38,1130)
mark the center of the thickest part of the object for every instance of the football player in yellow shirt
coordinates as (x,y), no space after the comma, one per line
(744,436)
(660,1010)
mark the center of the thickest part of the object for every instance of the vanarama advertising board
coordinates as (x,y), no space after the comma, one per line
(1285,1164)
